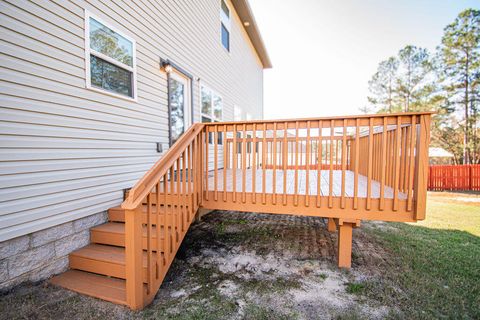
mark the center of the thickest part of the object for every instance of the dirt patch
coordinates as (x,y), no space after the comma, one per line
(238,266)
(466,197)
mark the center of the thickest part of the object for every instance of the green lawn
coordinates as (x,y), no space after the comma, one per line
(434,271)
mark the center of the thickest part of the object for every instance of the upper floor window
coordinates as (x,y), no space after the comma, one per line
(110,59)
(212,108)
(225,24)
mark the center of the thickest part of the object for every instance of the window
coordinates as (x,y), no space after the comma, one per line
(110,59)
(212,109)
(225,25)
(237,113)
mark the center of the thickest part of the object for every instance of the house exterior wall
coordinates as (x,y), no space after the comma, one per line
(68,152)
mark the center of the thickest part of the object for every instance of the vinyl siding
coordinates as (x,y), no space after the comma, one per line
(67,152)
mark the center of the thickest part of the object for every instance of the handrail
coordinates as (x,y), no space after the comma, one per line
(151,177)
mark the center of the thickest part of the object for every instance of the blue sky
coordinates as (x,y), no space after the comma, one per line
(325,51)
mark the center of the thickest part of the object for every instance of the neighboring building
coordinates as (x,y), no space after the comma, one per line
(440,156)
(92,93)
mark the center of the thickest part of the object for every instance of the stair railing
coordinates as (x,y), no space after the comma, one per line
(158,212)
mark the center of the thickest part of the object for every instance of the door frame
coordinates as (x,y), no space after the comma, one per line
(178,72)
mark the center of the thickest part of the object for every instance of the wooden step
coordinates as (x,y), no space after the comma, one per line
(113,233)
(94,285)
(104,260)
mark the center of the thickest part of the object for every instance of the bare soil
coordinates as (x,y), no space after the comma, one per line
(236,265)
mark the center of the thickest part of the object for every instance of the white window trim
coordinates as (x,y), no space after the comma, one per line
(89,51)
(211,116)
(226,21)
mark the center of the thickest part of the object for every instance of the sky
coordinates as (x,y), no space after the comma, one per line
(324,52)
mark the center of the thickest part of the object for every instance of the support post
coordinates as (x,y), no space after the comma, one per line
(133,259)
(345,245)
(331,227)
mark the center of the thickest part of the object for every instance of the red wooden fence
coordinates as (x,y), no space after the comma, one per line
(459,177)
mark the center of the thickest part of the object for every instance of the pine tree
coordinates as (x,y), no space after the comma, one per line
(460,52)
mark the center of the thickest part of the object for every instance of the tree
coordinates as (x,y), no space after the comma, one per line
(460,52)
(382,85)
(412,80)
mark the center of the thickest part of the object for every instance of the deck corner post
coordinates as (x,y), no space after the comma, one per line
(331,226)
(345,244)
(133,259)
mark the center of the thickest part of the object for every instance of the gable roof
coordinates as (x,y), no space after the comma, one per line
(245,13)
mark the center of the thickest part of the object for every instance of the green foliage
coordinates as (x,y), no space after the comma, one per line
(447,82)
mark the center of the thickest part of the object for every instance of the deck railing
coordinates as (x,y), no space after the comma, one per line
(158,212)
(347,168)
(375,165)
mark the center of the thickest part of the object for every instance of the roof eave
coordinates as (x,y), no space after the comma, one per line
(245,13)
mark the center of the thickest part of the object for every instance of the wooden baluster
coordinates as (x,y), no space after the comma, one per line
(319,163)
(264,159)
(383,164)
(370,168)
(355,172)
(295,199)
(307,164)
(285,162)
(178,210)
(344,161)
(184,190)
(413,138)
(191,211)
(149,244)
(397,163)
(158,228)
(235,159)
(172,208)
(206,161)
(226,152)
(244,164)
(215,164)
(166,221)
(274,157)
(254,167)
(330,176)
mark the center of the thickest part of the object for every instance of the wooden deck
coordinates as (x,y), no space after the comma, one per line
(346,169)
(274,183)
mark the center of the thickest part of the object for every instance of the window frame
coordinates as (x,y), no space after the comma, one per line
(89,51)
(225,22)
(211,116)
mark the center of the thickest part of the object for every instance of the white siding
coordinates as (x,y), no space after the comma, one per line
(67,152)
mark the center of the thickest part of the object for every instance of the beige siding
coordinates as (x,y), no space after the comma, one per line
(67,152)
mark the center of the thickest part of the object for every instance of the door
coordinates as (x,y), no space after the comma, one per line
(179,103)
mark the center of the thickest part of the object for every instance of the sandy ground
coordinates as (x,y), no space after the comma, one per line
(236,266)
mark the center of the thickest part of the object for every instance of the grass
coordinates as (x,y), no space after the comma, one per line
(435,268)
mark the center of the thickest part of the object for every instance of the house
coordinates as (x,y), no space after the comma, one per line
(440,156)
(93,93)
(117,132)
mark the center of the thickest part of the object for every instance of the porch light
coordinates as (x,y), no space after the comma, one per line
(165,64)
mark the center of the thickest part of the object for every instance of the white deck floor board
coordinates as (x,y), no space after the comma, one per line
(301,186)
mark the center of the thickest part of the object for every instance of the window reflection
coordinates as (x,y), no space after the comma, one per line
(107,76)
(177,109)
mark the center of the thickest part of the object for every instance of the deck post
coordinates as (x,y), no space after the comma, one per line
(133,259)
(331,226)
(345,245)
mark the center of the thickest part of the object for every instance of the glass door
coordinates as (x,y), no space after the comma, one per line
(179,105)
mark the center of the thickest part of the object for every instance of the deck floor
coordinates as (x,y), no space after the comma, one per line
(302,183)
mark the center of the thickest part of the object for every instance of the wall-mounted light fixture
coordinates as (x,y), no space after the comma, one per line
(166,65)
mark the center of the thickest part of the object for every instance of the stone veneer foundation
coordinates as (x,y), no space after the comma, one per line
(42,254)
